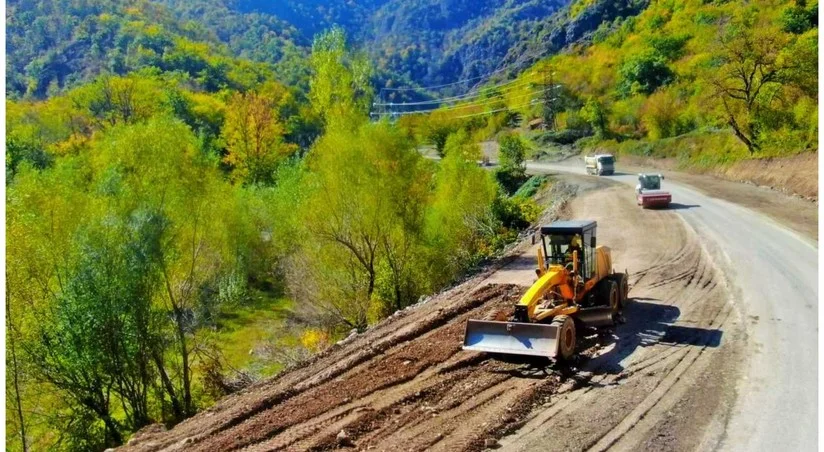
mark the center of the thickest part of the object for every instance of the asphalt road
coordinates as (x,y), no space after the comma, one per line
(773,274)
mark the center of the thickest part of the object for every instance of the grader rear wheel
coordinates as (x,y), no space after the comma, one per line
(623,289)
(613,297)
(566,336)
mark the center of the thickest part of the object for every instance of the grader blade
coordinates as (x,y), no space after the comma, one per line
(511,338)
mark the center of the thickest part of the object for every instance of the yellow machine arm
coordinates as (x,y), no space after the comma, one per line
(557,276)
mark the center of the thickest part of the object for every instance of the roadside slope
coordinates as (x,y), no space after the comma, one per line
(407,383)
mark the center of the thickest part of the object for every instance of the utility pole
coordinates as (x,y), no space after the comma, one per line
(548,108)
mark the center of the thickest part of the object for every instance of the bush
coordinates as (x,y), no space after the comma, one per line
(665,116)
(515,212)
(670,47)
(796,19)
(530,187)
(509,181)
(644,73)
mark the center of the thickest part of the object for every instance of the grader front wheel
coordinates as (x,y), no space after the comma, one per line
(566,336)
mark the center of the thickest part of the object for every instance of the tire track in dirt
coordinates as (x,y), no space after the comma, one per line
(670,340)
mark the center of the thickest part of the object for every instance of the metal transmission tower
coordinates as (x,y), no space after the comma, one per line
(550,105)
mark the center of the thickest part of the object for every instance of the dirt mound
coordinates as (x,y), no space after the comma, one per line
(404,383)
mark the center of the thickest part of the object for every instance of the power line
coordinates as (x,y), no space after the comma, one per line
(469,95)
(464,106)
(497,98)
(429,88)
(534,102)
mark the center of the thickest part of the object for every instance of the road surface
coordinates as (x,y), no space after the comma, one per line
(773,275)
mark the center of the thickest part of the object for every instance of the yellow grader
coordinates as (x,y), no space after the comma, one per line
(576,289)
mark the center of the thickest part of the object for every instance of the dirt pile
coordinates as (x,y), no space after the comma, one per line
(405,383)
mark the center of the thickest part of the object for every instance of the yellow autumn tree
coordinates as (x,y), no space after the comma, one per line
(254,134)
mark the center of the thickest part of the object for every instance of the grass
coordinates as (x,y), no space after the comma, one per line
(530,188)
(246,327)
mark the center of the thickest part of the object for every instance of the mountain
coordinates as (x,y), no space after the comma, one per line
(55,44)
(433,42)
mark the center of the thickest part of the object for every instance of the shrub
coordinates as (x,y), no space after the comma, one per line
(664,116)
(643,73)
(515,212)
(509,181)
(796,19)
(530,187)
(670,47)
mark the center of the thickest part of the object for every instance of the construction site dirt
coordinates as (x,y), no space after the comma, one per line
(661,381)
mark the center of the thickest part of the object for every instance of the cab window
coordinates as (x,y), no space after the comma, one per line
(556,247)
(589,256)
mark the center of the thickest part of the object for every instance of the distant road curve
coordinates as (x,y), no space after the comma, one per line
(774,276)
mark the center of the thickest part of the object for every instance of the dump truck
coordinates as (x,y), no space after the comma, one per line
(577,289)
(648,191)
(600,164)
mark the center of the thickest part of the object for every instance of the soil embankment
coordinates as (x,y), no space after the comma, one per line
(661,381)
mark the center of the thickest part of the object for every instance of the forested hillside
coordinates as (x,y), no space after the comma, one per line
(429,43)
(704,83)
(55,44)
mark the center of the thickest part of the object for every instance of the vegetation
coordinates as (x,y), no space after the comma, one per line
(170,205)
(150,214)
(739,80)
(59,44)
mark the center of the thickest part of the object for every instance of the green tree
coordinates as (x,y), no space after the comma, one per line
(339,89)
(753,75)
(512,154)
(798,19)
(459,218)
(596,115)
(13,375)
(643,73)
(366,194)
(118,100)
(670,47)
(254,137)
(437,132)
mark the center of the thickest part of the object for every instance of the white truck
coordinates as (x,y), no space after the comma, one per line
(600,164)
